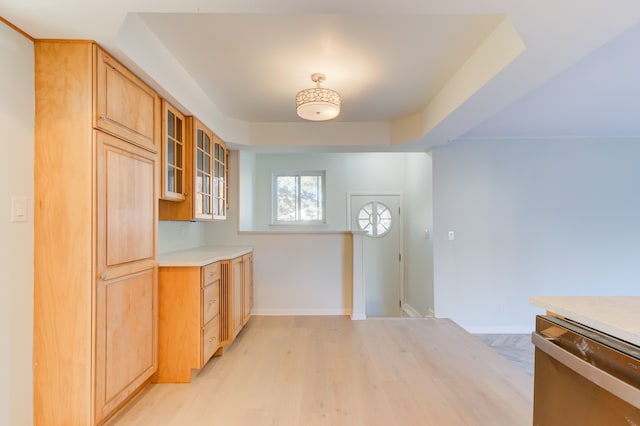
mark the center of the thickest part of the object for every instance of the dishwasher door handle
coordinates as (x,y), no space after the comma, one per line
(611,384)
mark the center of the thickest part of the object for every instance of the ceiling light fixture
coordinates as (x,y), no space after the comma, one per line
(317,103)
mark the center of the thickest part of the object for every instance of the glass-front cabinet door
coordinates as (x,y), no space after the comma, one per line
(204,172)
(220,174)
(174,148)
(196,169)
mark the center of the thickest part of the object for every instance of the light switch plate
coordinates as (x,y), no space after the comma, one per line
(19,209)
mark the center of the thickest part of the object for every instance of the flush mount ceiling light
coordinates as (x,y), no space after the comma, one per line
(318,104)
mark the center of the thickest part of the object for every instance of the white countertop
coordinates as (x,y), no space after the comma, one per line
(201,256)
(618,316)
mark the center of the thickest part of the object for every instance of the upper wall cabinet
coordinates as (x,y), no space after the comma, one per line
(125,106)
(206,186)
(220,173)
(174,149)
(203,171)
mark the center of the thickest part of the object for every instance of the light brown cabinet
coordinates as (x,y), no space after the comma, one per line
(242,292)
(124,105)
(247,287)
(190,306)
(173,154)
(202,309)
(207,171)
(220,175)
(203,162)
(126,292)
(95,228)
(236,298)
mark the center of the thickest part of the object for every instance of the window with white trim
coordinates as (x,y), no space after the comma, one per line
(298,198)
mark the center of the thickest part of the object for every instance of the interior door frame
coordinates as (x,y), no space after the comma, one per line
(350,195)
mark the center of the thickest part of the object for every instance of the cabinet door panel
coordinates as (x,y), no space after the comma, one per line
(247,287)
(203,165)
(174,148)
(236,297)
(220,180)
(125,105)
(127,208)
(126,336)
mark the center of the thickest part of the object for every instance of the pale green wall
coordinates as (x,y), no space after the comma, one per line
(16,239)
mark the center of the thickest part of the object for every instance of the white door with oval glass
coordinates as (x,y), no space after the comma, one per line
(378,216)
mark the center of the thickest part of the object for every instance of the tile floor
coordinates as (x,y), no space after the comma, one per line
(517,348)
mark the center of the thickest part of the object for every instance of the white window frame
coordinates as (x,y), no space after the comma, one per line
(298,174)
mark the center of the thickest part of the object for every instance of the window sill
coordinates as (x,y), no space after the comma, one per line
(298,232)
(298,225)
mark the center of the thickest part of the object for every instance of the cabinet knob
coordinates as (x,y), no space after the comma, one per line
(212,301)
(103,277)
(103,117)
(213,339)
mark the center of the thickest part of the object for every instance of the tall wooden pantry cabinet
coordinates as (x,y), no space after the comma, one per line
(95,290)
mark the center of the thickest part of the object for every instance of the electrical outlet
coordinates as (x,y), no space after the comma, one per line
(452,236)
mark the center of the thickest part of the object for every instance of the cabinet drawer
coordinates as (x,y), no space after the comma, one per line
(210,339)
(210,273)
(210,301)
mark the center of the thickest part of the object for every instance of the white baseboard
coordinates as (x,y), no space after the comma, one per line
(499,329)
(301,312)
(358,317)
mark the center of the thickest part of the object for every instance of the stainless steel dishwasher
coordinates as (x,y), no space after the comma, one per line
(583,376)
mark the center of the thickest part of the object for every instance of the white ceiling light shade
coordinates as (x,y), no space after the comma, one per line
(317,103)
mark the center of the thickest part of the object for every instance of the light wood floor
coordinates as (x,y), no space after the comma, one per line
(334,371)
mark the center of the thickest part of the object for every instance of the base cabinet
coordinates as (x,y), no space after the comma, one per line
(242,292)
(247,287)
(125,338)
(202,309)
(189,328)
(236,285)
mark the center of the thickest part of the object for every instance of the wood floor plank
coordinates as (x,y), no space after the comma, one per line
(334,371)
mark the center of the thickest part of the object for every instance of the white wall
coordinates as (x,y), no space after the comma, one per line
(365,173)
(298,273)
(16,239)
(418,217)
(310,271)
(405,173)
(247,184)
(542,217)
(294,273)
(174,235)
